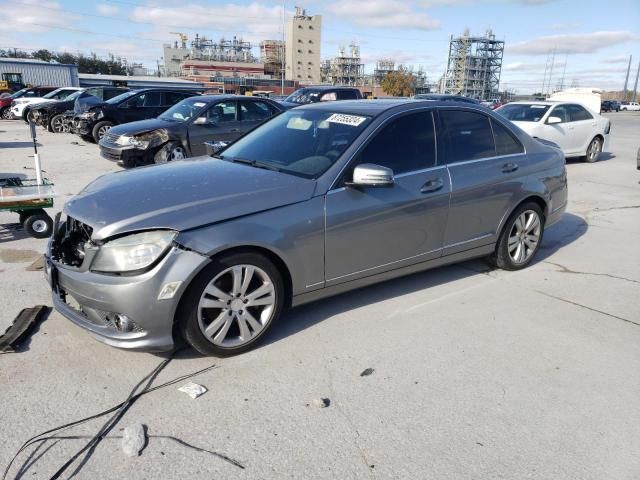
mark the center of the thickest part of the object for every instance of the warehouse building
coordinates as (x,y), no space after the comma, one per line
(135,82)
(27,71)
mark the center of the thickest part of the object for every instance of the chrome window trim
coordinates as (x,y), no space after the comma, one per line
(384,265)
(484,159)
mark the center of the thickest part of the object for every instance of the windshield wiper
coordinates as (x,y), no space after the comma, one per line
(254,163)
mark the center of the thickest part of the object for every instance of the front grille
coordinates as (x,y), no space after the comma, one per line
(109,156)
(69,241)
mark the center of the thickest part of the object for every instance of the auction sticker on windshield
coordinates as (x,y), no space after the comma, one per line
(352,120)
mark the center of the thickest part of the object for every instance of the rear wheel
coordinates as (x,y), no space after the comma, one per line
(100,129)
(5,113)
(594,150)
(231,304)
(520,238)
(56,124)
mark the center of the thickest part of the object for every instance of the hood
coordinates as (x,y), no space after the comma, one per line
(288,105)
(141,126)
(182,196)
(529,127)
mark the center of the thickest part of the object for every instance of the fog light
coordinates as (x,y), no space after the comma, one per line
(169,290)
(121,322)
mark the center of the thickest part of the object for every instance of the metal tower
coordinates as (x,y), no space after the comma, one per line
(474,66)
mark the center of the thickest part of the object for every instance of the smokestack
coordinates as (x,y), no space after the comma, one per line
(635,86)
(626,80)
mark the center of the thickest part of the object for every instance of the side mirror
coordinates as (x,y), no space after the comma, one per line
(213,148)
(552,120)
(370,175)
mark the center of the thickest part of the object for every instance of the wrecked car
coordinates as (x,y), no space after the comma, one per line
(182,131)
(318,200)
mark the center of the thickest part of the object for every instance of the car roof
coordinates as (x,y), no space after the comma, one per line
(377,107)
(227,96)
(326,87)
(535,102)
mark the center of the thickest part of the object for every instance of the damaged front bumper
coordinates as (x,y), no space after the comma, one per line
(124,311)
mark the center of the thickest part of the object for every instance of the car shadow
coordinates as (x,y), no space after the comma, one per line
(566,231)
(604,156)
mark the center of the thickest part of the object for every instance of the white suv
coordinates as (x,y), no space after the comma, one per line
(19,104)
(631,106)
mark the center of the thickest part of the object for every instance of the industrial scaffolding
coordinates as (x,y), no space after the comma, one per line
(272,56)
(474,66)
(234,50)
(345,69)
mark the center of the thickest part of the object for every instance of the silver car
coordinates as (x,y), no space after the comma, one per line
(319,200)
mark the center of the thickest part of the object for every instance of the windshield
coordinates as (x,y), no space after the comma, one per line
(123,96)
(52,94)
(523,112)
(73,95)
(303,96)
(183,111)
(301,142)
(19,93)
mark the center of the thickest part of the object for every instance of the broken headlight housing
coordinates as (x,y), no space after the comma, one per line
(132,252)
(144,140)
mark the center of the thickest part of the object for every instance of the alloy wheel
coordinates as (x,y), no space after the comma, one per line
(176,154)
(103,130)
(524,236)
(6,114)
(595,148)
(236,305)
(39,226)
(57,124)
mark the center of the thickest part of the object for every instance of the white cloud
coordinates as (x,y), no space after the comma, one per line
(253,22)
(572,43)
(617,59)
(383,14)
(19,17)
(105,9)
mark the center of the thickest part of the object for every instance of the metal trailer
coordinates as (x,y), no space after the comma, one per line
(38,73)
(29,197)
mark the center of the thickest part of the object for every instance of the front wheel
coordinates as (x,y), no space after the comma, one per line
(520,238)
(5,114)
(100,129)
(56,124)
(171,152)
(594,150)
(231,304)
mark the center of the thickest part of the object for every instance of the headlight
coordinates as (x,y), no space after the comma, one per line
(92,115)
(132,141)
(132,252)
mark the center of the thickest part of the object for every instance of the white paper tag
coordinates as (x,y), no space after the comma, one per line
(343,119)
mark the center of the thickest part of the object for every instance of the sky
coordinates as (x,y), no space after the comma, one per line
(592,40)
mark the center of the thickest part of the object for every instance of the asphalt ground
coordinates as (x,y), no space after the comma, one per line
(478,373)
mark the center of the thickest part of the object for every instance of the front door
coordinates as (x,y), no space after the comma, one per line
(376,229)
(222,125)
(486,163)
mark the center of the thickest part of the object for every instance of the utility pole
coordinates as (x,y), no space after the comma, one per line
(553,61)
(635,85)
(283,52)
(626,80)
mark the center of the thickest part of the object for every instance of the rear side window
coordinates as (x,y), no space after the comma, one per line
(466,136)
(404,145)
(506,143)
(578,113)
(347,95)
(252,111)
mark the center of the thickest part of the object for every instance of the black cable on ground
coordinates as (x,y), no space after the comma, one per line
(120,410)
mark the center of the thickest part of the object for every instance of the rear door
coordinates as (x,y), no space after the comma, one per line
(584,126)
(222,125)
(562,133)
(377,229)
(486,175)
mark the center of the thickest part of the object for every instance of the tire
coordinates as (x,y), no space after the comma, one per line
(56,124)
(28,116)
(99,129)
(170,152)
(593,150)
(227,315)
(505,257)
(39,224)
(5,113)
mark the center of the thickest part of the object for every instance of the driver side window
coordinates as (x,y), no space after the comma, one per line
(405,144)
(562,113)
(222,112)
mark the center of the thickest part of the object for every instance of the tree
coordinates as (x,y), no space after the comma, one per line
(400,83)
(43,54)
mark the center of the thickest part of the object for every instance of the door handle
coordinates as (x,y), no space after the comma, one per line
(510,167)
(432,186)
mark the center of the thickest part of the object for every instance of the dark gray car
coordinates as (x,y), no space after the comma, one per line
(318,200)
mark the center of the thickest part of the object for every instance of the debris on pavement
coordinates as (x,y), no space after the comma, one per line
(134,439)
(22,325)
(367,371)
(193,389)
(320,402)
(37,265)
